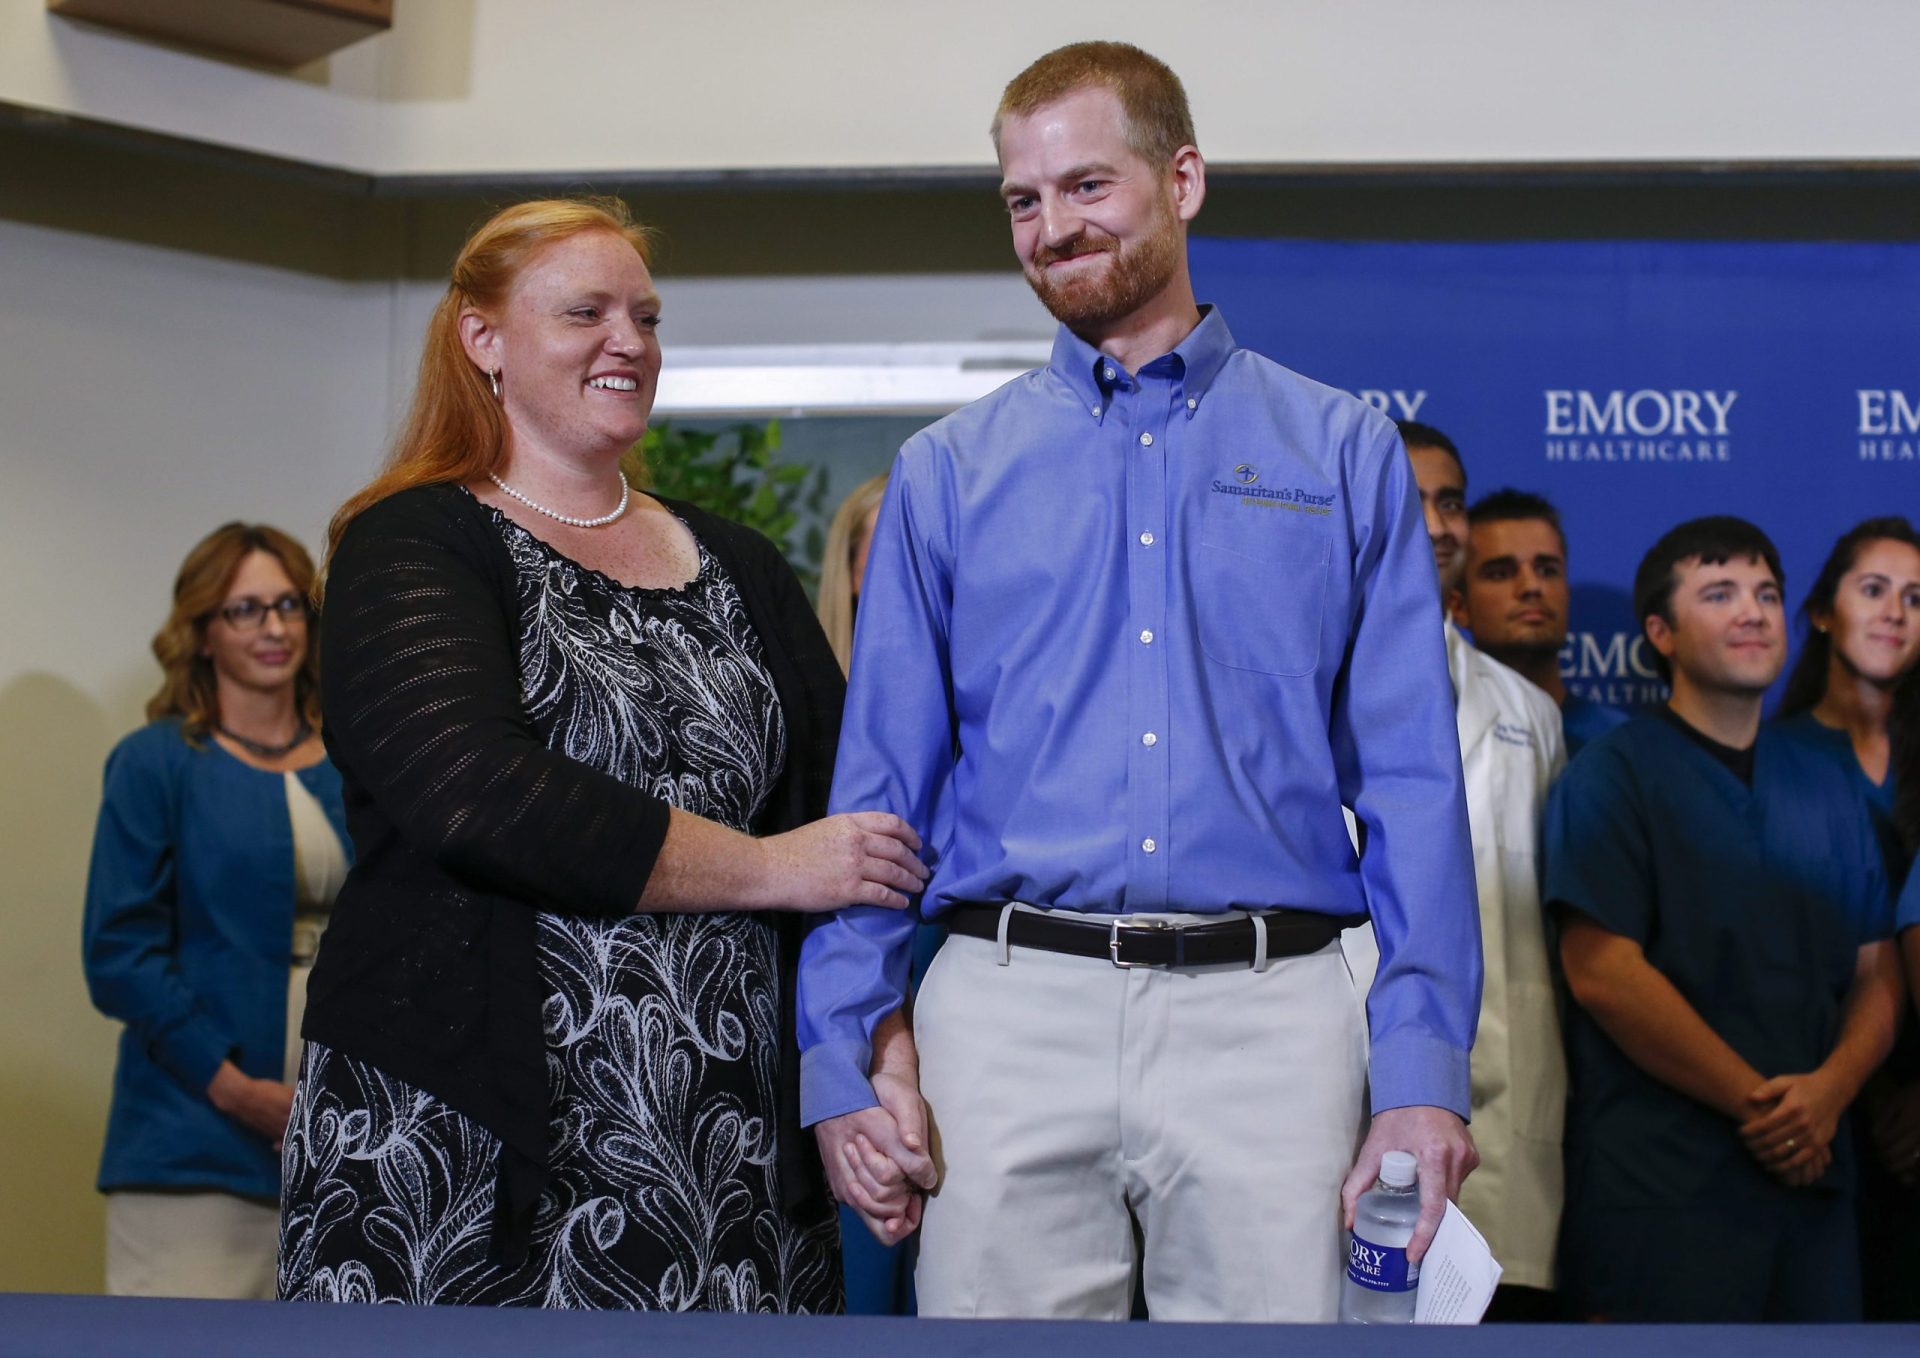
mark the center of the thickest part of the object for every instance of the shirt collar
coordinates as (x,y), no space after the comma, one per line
(1195,362)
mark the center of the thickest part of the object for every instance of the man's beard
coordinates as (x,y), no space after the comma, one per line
(1520,655)
(1134,276)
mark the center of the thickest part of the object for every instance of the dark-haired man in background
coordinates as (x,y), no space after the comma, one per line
(1510,753)
(1725,932)
(1514,599)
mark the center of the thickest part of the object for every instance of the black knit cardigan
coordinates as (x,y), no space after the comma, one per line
(465,824)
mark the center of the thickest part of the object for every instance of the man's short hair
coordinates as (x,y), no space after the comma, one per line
(1507,505)
(1150,94)
(1713,540)
(1417,435)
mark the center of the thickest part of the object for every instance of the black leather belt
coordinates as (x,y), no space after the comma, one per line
(1290,933)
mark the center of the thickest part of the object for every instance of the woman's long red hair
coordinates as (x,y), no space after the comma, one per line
(455,431)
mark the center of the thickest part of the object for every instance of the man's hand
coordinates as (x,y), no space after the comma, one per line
(1805,1171)
(1437,1139)
(1793,1123)
(876,1158)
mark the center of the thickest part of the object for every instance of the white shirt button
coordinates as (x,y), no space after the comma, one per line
(1146,440)
(1096,410)
(1149,740)
(1146,539)
(1146,636)
(1148,845)
(1192,404)
(1109,374)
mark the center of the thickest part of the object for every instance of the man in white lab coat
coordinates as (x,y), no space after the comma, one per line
(1512,749)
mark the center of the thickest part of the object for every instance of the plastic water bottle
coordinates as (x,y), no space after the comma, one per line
(1381,1284)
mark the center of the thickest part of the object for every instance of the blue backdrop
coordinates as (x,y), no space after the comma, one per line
(1634,384)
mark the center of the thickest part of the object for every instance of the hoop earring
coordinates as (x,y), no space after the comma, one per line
(493,380)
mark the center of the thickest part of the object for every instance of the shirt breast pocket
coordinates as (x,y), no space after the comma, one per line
(1261,612)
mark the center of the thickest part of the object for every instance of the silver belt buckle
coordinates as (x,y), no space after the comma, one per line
(1113,939)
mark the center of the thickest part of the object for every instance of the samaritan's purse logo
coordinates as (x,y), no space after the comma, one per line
(1296,498)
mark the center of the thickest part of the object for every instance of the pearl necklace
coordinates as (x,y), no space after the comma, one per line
(626,493)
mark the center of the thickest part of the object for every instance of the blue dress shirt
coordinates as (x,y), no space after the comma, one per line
(1128,644)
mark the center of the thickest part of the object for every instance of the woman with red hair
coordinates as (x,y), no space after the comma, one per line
(586,736)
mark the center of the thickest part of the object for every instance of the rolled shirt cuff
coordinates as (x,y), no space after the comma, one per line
(1412,1069)
(833,1079)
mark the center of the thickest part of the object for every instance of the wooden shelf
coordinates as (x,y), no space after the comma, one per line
(279,32)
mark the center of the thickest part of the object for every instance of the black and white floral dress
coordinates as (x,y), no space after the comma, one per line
(662,1030)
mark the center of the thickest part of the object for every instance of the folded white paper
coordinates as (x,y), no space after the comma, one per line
(1458,1275)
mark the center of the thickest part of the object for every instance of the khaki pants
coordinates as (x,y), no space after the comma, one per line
(1217,1107)
(201,1244)
(213,1245)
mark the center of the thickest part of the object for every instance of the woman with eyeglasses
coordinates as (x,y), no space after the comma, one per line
(220,846)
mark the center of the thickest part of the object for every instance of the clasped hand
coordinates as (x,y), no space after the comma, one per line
(877,1160)
(1791,1129)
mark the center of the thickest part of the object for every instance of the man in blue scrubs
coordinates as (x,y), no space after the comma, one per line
(1725,929)
(1135,627)
(1513,597)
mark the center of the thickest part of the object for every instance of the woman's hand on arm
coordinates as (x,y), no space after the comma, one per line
(858,858)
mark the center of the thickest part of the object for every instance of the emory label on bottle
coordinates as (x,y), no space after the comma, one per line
(1380,1268)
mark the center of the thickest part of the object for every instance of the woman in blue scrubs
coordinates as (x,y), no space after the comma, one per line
(1863,635)
(1896,1124)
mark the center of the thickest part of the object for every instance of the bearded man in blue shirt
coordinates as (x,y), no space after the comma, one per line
(1135,628)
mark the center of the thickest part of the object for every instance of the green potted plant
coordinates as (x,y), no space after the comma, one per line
(737,474)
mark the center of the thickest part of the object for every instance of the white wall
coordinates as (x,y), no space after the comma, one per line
(590,86)
(148,396)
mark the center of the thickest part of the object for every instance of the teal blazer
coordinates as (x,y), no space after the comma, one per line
(188,941)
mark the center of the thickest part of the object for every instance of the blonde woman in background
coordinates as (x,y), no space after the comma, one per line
(848,536)
(219,848)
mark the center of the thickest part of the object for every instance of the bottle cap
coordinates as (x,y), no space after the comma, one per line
(1397,1169)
